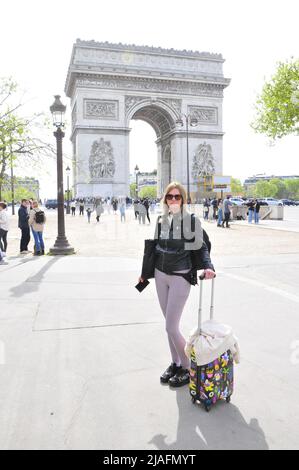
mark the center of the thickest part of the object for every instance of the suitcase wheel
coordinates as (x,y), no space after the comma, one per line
(207,407)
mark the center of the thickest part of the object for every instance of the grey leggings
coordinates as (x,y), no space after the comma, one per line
(173,292)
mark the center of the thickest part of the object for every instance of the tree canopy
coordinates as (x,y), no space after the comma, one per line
(18,144)
(277,108)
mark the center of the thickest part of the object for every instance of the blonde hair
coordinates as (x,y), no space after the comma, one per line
(34,204)
(182,190)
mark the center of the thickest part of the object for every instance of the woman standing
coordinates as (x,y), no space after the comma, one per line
(256,211)
(88,212)
(250,205)
(206,209)
(176,257)
(37,220)
(220,213)
(4,227)
(99,211)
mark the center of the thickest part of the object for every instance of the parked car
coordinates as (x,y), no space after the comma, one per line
(238,201)
(289,202)
(271,201)
(52,204)
(262,202)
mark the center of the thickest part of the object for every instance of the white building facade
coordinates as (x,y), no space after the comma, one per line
(110,84)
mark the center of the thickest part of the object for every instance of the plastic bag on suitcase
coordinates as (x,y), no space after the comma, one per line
(212,340)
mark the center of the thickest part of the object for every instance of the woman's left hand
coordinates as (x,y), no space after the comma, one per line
(209,274)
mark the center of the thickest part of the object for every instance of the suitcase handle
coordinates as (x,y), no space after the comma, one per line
(200,301)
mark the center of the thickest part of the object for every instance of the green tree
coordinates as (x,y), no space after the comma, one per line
(292,189)
(264,189)
(237,188)
(18,144)
(19,194)
(277,107)
(133,190)
(148,191)
(280,187)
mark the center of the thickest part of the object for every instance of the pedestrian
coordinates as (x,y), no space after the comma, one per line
(115,205)
(37,220)
(99,210)
(220,212)
(81,207)
(88,211)
(173,266)
(146,205)
(136,208)
(122,210)
(4,227)
(226,211)
(215,208)
(73,208)
(250,212)
(256,211)
(141,212)
(206,209)
(24,226)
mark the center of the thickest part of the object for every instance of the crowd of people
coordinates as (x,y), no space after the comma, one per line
(221,209)
(31,221)
(142,207)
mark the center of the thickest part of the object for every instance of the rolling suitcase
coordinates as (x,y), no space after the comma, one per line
(215,380)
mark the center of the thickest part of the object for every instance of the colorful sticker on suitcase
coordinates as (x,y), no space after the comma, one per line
(214,381)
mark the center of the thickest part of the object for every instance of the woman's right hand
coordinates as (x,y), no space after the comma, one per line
(140,279)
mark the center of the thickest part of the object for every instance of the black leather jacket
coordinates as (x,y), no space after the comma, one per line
(171,252)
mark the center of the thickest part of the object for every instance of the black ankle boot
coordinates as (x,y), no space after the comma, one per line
(182,377)
(170,372)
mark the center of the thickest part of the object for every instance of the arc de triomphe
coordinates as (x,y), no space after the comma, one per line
(110,84)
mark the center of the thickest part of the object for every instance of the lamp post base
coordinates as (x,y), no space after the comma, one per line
(61,247)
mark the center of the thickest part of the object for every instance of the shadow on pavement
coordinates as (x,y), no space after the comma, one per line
(31,284)
(223,427)
(22,261)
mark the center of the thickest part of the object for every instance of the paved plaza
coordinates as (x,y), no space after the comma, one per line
(82,350)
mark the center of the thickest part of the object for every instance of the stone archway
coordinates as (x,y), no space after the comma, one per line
(110,84)
(162,117)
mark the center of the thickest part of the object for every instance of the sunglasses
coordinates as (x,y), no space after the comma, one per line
(170,197)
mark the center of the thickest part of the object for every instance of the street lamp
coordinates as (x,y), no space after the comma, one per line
(192,122)
(68,172)
(137,172)
(61,245)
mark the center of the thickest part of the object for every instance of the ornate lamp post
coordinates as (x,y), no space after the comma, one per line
(68,172)
(137,172)
(61,246)
(192,122)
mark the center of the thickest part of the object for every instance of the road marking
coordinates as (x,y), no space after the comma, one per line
(274,290)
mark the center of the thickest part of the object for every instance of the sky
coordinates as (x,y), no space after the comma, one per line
(36,40)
